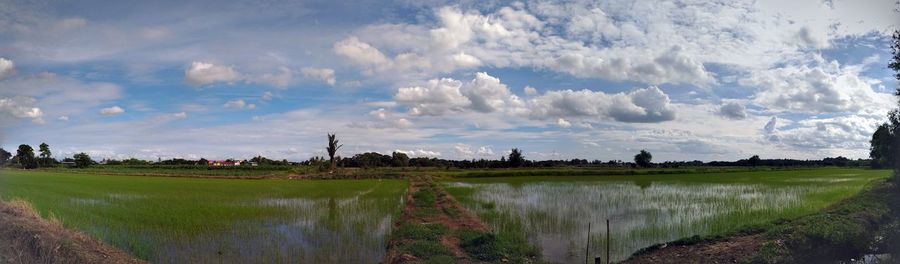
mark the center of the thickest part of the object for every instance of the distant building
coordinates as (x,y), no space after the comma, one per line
(223,163)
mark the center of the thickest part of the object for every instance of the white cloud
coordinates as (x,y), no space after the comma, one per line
(484,94)
(818,87)
(63,118)
(563,123)
(419,153)
(280,80)
(113,110)
(239,104)
(267,96)
(733,110)
(203,73)
(180,115)
(647,105)
(20,108)
(324,74)
(845,132)
(7,68)
(530,90)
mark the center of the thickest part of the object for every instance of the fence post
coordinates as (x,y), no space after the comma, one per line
(587,247)
(607,241)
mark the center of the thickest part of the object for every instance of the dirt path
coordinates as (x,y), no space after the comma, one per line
(445,211)
(25,237)
(736,249)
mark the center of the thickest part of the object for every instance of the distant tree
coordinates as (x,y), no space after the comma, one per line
(332,149)
(643,159)
(25,157)
(45,155)
(4,156)
(399,159)
(82,160)
(754,161)
(515,158)
(203,162)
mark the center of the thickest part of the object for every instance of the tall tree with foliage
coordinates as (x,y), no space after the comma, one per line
(754,161)
(25,157)
(643,159)
(399,159)
(45,155)
(515,158)
(332,149)
(886,139)
(4,156)
(82,160)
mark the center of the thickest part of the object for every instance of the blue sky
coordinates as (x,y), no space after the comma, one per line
(715,80)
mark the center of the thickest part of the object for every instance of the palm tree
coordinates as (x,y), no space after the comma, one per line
(332,149)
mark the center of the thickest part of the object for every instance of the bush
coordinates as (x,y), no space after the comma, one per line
(480,245)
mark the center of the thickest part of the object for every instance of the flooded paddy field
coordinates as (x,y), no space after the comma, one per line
(185,220)
(553,213)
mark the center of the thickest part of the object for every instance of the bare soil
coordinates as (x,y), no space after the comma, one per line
(450,213)
(736,249)
(25,237)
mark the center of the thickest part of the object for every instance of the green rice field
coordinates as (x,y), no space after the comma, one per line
(187,220)
(553,213)
(190,220)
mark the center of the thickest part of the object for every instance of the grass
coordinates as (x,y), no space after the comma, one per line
(649,209)
(846,230)
(166,219)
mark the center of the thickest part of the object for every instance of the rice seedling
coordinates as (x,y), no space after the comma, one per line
(553,213)
(188,220)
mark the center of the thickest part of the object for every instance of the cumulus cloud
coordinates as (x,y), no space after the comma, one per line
(419,153)
(733,110)
(281,79)
(647,105)
(204,73)
(563,123)
(530,90)
(484,94)
(20,108)
(239,104)
(113,110)
(844,132)
(818,86)
(324,74)
(7,68)
(468,151)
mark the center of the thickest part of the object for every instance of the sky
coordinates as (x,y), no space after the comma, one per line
(685,80)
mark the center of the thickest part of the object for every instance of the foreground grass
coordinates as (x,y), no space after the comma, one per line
(183,219)
(650,209)
(862,224)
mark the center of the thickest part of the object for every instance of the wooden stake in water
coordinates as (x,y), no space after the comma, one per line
(588,246)
(607,241)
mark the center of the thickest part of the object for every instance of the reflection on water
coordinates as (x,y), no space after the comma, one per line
(325,230)
(351,229)
(555,215)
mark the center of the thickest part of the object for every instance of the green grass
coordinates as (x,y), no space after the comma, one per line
(649,209)
(166,219)
(846,230)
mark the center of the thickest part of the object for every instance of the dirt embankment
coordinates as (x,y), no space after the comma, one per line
(25,237)
(441,211)
(737,249)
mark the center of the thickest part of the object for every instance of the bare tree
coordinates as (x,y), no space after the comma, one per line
(332,149)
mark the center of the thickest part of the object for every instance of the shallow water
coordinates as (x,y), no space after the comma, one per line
(555,215)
